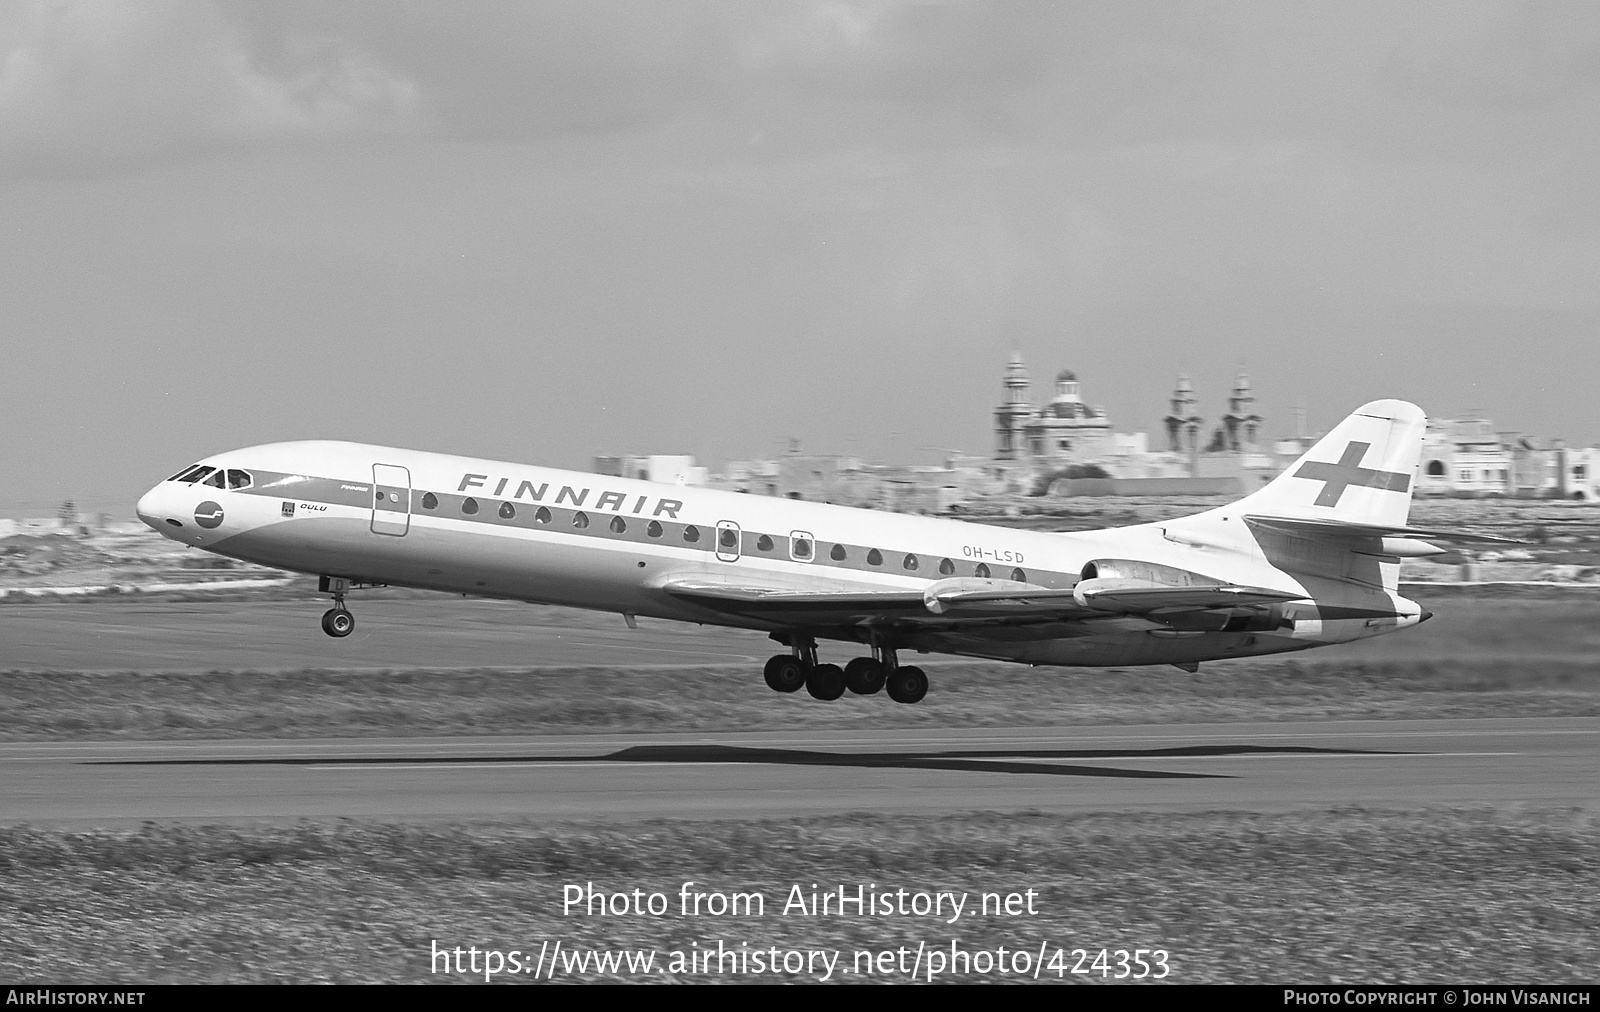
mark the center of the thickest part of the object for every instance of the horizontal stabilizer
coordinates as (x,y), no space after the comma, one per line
(1339,530)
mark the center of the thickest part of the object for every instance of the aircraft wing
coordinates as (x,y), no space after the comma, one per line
(963,602)
(1342,530)
(938,605)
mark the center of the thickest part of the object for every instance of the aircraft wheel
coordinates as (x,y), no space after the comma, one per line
(825,681)
(864,676)
(784,673)
(907,684)
(338,623)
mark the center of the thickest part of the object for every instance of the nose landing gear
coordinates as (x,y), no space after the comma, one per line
(337,621)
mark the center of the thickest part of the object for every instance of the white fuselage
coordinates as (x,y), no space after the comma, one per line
(513,531)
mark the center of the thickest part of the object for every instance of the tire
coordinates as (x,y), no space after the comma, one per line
(907,685)
(825,681)
(864,676)
(784,673)
(338,623)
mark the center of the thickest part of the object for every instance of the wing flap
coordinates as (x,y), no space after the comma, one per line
(943,603)
(754,599)
(969,601)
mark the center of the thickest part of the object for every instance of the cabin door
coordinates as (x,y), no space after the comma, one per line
(391,500)
(727,541)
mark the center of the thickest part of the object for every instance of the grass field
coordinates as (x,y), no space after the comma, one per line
(1348,895)
(1530,652)
(1344,895)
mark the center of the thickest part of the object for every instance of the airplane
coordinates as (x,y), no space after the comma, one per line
(1309,559)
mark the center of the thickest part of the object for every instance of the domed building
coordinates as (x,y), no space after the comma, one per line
(1070,439)
(1065,430)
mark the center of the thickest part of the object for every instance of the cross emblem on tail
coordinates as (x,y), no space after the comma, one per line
(1347,472)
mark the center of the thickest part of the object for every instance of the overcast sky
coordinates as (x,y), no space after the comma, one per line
(548,231)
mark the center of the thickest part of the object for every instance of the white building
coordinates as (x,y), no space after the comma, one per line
(668,468)
(1467,456)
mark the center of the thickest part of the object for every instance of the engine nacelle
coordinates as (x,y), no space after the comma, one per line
(1152,573)
(1104,579)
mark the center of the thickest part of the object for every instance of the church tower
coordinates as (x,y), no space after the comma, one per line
(1013,412)
(1241,422)
(1183,424)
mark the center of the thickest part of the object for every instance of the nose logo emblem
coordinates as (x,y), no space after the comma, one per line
(208,514)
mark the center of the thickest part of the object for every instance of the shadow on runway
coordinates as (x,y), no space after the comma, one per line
(976,761)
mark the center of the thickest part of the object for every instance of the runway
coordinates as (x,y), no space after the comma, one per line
(1242,767)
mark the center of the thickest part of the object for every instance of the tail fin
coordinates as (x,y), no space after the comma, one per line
(1361,472)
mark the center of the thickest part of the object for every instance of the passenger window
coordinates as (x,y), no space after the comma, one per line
(1019,576)
(911,562)
(580,520)
(837,554)
(654,530)
(874,557)
(764,543)
(800,546)
(982,572)
(507,511)
(430,501)
(469,506)
(947,568)
(618,525)
(542,516)
(691,534)
(238,479)
(729,537)
(215,481)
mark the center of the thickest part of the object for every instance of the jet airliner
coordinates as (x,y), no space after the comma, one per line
(1311,558)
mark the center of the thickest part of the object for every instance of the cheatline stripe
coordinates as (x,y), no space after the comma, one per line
(563,520)
(636,528)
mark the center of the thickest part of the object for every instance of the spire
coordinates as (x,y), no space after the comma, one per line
(1183,423)
(1016,381)
(1014,409)
(1241,422)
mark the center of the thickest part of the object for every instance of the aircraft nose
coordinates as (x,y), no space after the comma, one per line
(152,510)
(146,509)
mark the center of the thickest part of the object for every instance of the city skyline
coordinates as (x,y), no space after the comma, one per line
(553,231)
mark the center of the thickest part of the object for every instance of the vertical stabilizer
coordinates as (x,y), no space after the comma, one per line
(1361,472)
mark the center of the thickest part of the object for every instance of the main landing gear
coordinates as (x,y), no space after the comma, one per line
(862,676)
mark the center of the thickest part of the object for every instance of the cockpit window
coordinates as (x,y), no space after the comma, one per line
(195,473)
(215,481)
(184,471)
(238,478)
